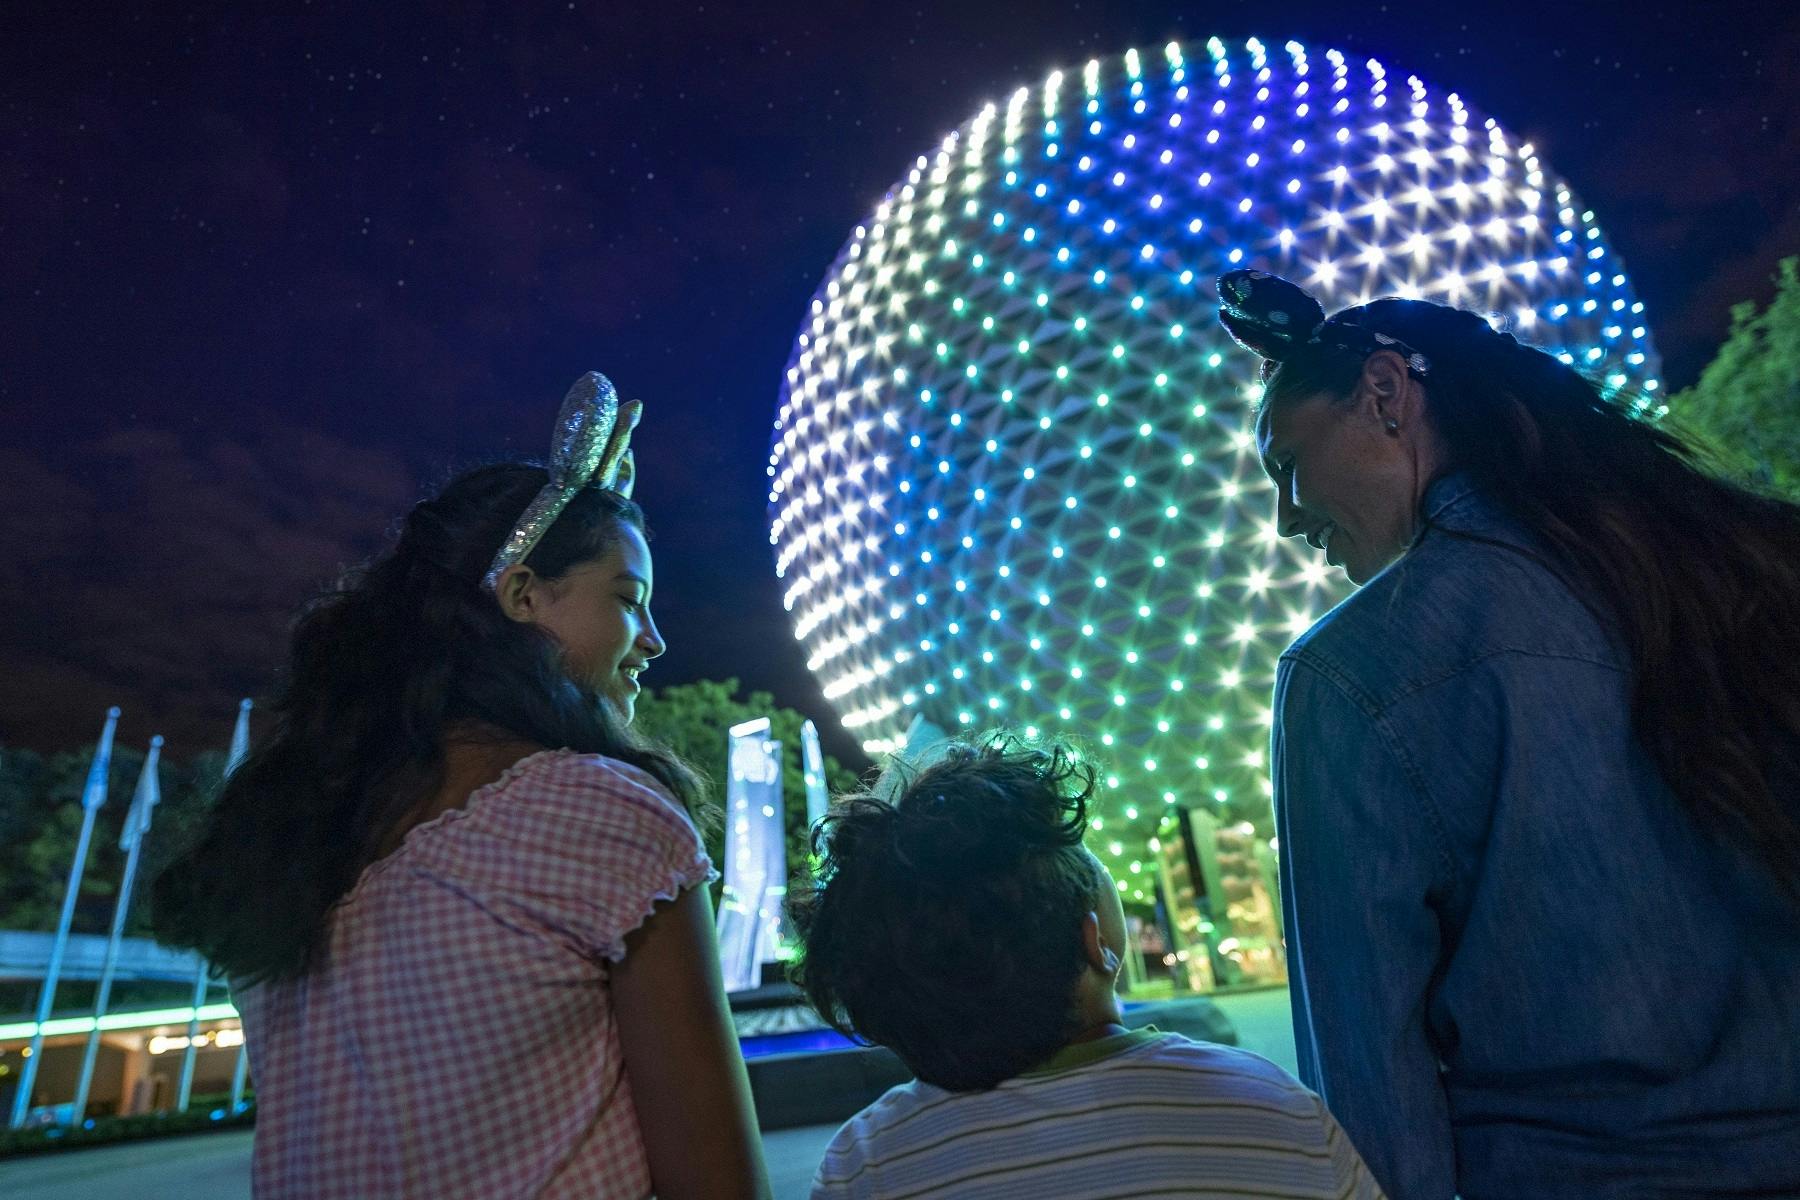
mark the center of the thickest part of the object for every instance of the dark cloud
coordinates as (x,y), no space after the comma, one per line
(158,572)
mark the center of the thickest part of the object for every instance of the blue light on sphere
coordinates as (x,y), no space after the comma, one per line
(1013,479)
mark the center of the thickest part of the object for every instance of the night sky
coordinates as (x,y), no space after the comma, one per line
(268,273)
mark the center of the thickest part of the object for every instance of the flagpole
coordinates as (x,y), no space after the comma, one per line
(137,823)
(93,795)
(240,746)
(186,1088)
(238,1074)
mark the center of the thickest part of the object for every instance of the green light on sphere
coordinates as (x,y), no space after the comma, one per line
(1012,471)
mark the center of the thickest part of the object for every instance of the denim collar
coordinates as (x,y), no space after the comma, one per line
(1444,493)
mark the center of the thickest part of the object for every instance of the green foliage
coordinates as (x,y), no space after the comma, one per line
(692,719)
(40,825)
(198,1118)
(40,804)
(1746,406)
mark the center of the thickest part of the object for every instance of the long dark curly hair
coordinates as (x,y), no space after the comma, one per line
(1700,577)
(379,669)
(946,924)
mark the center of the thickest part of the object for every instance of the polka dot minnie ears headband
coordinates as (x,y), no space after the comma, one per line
(591,448)
(1269,316)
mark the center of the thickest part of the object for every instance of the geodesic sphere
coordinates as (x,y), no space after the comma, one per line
(1013,474)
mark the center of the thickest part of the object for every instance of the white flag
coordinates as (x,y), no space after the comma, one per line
(240,739)
(94,794)
(149,795)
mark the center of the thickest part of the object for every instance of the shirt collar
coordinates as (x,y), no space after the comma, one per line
(1080,1054)
(1444,493)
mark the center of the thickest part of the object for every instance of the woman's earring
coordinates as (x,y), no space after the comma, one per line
(1393,426)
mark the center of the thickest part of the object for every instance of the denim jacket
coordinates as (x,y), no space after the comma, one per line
(1519,968)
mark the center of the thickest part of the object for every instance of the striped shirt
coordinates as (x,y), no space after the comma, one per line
(1137,1115)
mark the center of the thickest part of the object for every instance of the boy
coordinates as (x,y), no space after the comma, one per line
(966,928)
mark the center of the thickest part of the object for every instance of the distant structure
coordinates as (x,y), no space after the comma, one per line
(1013,479)
(755,875)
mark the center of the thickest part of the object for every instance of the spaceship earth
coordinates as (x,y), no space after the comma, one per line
(1013,480)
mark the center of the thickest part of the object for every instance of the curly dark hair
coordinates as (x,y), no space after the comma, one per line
(379,668)
(1699,576)
(946,925)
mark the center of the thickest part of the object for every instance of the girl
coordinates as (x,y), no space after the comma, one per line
(461,906)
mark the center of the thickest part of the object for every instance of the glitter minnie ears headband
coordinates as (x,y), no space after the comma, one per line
(591,448)
(1274,318)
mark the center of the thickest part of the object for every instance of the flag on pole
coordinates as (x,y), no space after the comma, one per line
(184,1091)
(137,823)
(92,797)
(148,796)
(240,746)
(240,738)
(94,794)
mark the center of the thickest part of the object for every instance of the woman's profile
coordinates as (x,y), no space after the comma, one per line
(1537,782)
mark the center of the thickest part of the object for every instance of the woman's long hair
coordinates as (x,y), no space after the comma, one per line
(1699,577)
(379,668)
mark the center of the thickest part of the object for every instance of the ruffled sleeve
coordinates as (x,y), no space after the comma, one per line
(579,846)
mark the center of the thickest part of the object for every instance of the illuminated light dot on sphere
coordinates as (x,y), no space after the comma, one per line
(1011,394)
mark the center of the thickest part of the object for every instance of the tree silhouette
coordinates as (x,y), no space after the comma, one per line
(1745,407)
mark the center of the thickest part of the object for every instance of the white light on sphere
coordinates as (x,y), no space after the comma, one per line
(1012,395)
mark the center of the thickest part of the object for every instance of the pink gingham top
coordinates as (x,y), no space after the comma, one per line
(455,1037)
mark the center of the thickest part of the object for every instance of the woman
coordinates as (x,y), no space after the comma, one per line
(462,908)
(1536,781)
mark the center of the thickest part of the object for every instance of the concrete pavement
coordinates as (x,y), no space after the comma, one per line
(207,1166)
(216,1166)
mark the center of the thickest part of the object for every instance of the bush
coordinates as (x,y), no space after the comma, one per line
(104,1131)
